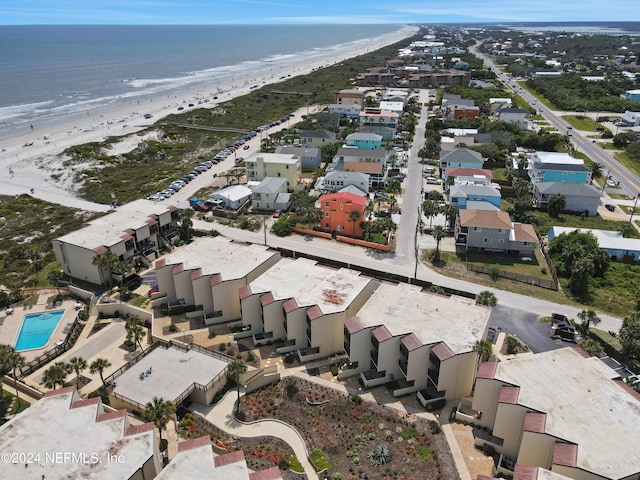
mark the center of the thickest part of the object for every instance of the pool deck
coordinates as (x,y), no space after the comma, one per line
(10,324)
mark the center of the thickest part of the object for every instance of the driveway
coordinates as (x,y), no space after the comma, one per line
(526,327)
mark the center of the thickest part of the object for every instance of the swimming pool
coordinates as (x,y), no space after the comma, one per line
(36,329)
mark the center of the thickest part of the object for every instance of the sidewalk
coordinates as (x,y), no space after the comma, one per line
(221,415)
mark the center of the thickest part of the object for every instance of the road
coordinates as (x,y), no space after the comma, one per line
(629,181)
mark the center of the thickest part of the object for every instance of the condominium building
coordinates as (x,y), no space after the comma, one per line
(262,165)
(304,303)
(422,341)
(563,411)
(134,232)
(209,272)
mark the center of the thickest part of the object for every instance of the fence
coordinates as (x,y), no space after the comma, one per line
(518,277)
(67,343)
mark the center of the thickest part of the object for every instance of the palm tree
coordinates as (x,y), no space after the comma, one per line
(98,366)
(354,216)
(366,229)
(54,277)
(438,234)
(430,210)
(6,351)
(78,364)
(135,331)
(486,298)
(393,186)
(557,204)
(186,224)
(159,412)
(597,171)
(484,348)
(589,318)
(55,375)
(234,370)
(14,361)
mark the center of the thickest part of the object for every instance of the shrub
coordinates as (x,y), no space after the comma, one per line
(295,465)
(335,370)
(212,334)
(357,399)
(230,352)
(423,451)
(250,356)
(380,455)
(288,359)
(222,346)
(435,427)
(173,328)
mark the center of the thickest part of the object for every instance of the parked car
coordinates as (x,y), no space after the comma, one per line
(246,147)
(201,207)
(432,181)
(277,213)
(384,213)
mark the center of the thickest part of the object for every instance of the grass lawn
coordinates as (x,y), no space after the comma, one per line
(628,162)
(319,460)
(580,122)
(510,263)
(295,465)
(544,221)
(619,196)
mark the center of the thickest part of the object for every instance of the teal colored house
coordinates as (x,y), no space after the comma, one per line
(461,157)
(558,172)
(367,141)
(461,195)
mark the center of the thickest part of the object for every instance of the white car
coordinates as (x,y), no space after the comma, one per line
(432,181)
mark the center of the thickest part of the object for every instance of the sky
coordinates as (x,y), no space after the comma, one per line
(26,12)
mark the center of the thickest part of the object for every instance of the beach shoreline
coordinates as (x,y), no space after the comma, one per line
(28,158)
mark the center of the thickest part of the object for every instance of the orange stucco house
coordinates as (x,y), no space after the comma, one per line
(336,209)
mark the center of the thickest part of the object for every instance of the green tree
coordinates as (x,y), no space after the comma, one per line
(78,364)
(597,171)
(185,226)
(55,375)
(283,226)
(6,352)
(484,348)
(430,210)
(159,411)
(54,277)
(393,187)
(486,298)
(105,262)
(234,370)
(99,365)
(592,347)
(557,204)
(588,319)
(629,336)
(353,217)
(438,234)
(135,331)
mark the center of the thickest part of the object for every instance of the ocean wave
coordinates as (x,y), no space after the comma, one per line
(13,111)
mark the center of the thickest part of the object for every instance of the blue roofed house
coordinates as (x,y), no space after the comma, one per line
(364,140)
(461,157)
(310,157)
(558,167)
(479,195)
(618,247)
(579,197)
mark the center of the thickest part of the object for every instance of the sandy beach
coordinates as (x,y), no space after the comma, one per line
(29,159)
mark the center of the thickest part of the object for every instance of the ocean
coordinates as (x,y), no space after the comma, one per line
(49,72)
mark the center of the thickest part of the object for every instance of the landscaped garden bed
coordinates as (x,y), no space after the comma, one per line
(353,439)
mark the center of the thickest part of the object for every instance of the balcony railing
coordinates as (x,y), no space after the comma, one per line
(403,366)
(374,374)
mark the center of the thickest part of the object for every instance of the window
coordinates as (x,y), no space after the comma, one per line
(326,204)
(326,225)
(341,206)
(326,214)
(487,240)
(287,167)
(279,174)
(501,240)
(477,229)
(499,230)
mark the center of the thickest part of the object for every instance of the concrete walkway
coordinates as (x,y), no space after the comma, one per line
(221,415)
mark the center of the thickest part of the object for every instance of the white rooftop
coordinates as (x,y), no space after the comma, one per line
(219,255)
(404,309)
(50,426)
(191,464)
(607,239)
(273,158)
(232,193)
(557,157)
(582,405)
(311,284)
(109,229)
(172,372)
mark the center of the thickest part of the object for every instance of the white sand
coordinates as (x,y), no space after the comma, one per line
(25,167)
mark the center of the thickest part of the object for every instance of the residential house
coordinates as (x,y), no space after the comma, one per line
(195,461)
(490,231)
(366,141)
(362,155)
(460,195)
(303,303)
(519,116)
(283,201)
(395,96)
(350,97)
(395,107)
(496,104)
(317,138)
(310,157)
(263,197)
(134,232)
(465,172)
(208,272)
(382,122)
(525,402)
(579,197)
(279,165)
(376,171)
(631,118)
(345,110)
(337,210)
(421,341)
(103,443)
(632,95)
(337,180)
(328,120)
(451,99)
(463,112)
(618,247)
(461,157)
(232,197)
(557,167)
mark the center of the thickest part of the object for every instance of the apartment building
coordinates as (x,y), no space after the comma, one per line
(262,165)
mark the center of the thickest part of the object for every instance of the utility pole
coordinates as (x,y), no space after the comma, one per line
(633,209)
(264,227)
(604,182)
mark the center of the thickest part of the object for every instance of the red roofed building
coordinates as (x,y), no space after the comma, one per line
(342,213)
